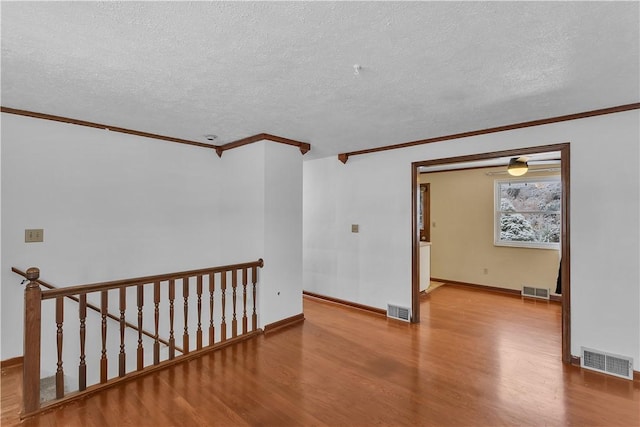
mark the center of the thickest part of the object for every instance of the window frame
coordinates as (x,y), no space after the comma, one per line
(497,213)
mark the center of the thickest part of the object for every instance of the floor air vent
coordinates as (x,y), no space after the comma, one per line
(620,366)
(397,312)
(530,291)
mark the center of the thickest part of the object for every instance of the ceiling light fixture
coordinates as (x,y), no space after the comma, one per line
(517,166)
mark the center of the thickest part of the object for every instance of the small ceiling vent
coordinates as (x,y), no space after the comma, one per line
(397,312)
(620,366)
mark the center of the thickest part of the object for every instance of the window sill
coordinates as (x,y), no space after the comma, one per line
(529,245)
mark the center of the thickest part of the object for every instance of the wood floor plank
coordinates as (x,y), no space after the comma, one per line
(476,359)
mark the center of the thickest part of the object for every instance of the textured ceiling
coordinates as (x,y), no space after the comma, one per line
(236,69)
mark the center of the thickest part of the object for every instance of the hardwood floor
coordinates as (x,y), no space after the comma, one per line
(477,359)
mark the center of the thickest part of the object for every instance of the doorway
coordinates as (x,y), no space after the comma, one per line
(478,160)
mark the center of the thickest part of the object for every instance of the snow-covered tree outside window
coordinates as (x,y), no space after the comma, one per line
(527,212)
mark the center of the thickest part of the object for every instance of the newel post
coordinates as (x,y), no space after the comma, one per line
(31,365)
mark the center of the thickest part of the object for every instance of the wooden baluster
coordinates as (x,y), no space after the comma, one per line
(254,316)
(212,329)
(199,331)
(104,299)
(82,369)
(156,316)
(244,300)
(59,371)
(31,364)
(185,296)
(140,356)
(223,290)
(122,359)
(172,339)
(234,321)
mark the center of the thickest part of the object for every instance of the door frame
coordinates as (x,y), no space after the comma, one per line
(565,242)
(426,213)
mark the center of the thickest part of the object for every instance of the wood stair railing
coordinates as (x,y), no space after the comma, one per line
(193,345)
(94,308)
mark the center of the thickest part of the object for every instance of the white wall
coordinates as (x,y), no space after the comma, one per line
(374,190)
(281,280)
(117,206)
(242,204)
(265,202)
(373,266)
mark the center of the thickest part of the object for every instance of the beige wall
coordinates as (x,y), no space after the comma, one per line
(462,235)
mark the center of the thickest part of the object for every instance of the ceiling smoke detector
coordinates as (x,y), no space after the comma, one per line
(211,137)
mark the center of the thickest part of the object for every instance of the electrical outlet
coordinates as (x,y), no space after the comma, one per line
(486,271)
(354,228)
(34,235)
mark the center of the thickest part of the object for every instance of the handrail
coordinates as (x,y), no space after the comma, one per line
(38,281)
(233,320)
(96,309)
(105,286)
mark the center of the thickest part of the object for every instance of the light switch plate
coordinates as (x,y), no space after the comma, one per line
(33,235)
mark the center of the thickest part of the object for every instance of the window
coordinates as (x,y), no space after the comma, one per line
(527,213)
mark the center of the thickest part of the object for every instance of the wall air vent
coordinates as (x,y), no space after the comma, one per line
(530,291)
(620,366)
(397,312)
